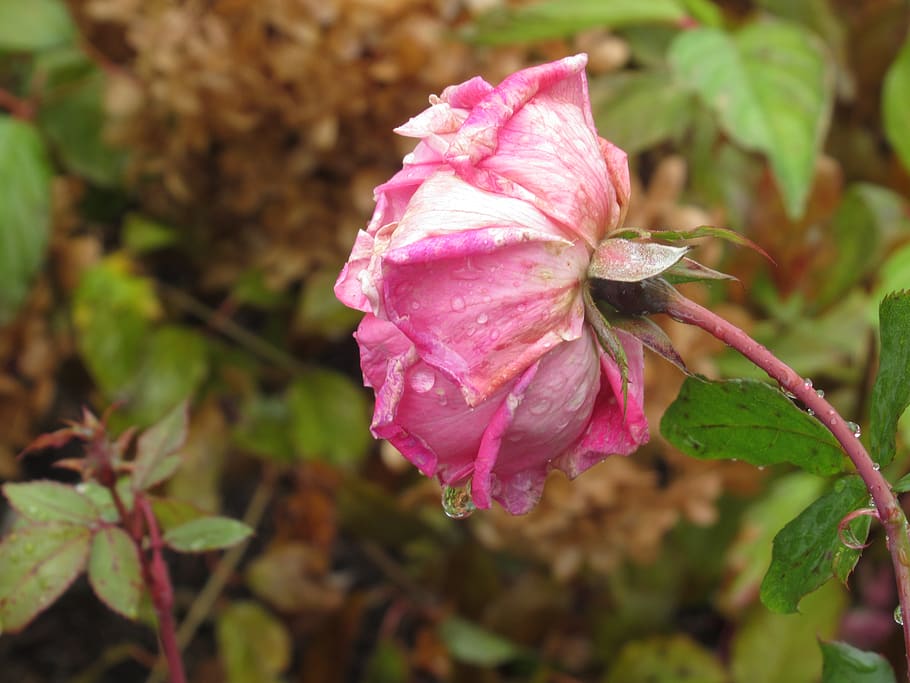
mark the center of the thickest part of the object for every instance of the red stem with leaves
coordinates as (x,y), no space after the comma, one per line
(887,506)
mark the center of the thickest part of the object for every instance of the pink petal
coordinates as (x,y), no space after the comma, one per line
(533,138)
(484,305)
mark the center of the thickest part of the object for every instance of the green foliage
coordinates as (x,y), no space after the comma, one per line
(891,392)
(556,19)
(896,104)
(254,645)
(472,644)
(674,659)
(156,446)
(37,563)
(142,234)
(34,25)
(204,534)
(809,550)
(772,90)
(114,571)
(751,421)
(50,501)
(25,207)
(843,663)
(782,648)
(329,417)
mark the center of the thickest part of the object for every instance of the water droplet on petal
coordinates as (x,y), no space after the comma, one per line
(456,501)
(482,319)
(415,305)
(820,393)
(853,427)
(540,407)
(457,304)
(898,618)
(423,380)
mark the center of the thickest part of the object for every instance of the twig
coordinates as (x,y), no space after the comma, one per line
(17,107)
(886,503)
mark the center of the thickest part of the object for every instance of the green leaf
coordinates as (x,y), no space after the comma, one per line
(891,392)
(807,549)
(896,104)
(141,234)
(748,420)
(844,663)
(329,417)
(113,310)
(864,217)
(114,571)
(158,442)
(28,26)
(172,513)
(636,111)
(472,644)
(255,647)
(783,648)
(902,485)
(51,501)
(25,210)
(37,563)
(388,663)
(772,89)
(558,19)
(319,310)
(73,118)
(671,659)
(265,428)
(207,533)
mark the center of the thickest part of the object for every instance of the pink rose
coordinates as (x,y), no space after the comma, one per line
(471,272)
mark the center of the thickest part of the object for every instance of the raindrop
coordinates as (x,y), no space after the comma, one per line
(876,466)
(790,395)
(807,383)
(820,393)
(810,411)
(832,421)
(898,618)
(457,304)
(853,427)
(456,501)
(482,319)
(423,380)
(415,305)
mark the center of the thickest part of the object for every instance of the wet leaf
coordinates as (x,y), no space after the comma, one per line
(891,392)
(771,87)
(37,563)
(255,647)
(783,648)
(25,208)
(844,663)
(50,501)
(672,659)
(473,644)
(896,104)
(34,25)
(114,571)
(329,417)
(626,261)
(652,336)
(750,421)
(207,533)
(807,550)
(557,19)
(156,444)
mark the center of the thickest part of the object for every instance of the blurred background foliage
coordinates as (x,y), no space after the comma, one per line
(180,182)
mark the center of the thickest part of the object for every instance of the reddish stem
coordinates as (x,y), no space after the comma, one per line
(17,107)
(158,581)
(889,511)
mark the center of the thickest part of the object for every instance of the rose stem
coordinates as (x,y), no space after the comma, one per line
(889,511)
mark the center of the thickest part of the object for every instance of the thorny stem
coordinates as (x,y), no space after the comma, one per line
(886,504)
(159,584)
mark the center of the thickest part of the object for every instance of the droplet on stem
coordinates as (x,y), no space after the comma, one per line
(456,501)
(807,383)
(898,617)
(820,393)
(853,427)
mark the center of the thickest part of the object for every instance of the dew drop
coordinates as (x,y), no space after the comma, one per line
(540,407)
(832,421)
(898,618)
(807,383)
(457,304)
(521,308)
(810,411)
(853,427)
(423,380)
(482,319)
(415,305)
(790,395)
(876,466)
(820,393)
(456,501)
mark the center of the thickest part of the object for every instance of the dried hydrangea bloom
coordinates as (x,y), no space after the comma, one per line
(472,272)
